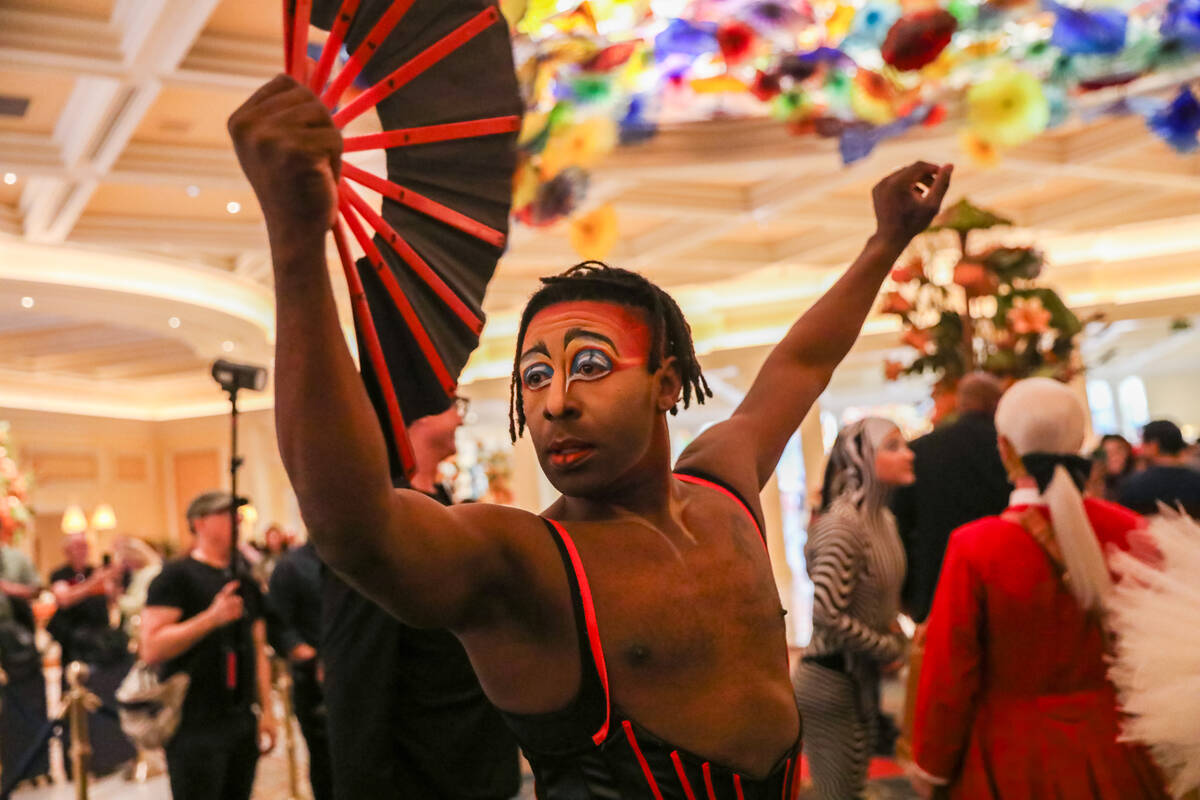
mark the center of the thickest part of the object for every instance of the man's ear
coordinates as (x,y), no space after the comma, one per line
(668,384)
(1008,456)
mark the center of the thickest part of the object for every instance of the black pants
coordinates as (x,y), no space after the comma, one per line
(214,760)
(308,702)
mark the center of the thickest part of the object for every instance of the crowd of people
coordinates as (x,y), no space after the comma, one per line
(629,638)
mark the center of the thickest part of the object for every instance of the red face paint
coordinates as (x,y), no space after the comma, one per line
(559,333)
(568,348)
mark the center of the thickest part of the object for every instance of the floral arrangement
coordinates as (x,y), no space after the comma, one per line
(597,74)
(980,310)
(15,513)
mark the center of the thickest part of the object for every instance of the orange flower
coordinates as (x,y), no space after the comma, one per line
(1005,339)
(945,403)
(981,153)
(896,303)
(892,369)
(909,272)
(1028,315)
(977,279)
(917,339)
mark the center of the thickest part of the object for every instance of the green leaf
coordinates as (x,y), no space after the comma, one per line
(963,217)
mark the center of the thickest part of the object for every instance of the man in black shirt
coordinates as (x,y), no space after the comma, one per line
(959,479)
(82,594)
(295,594)
(81,627)
(204,616)
(1167,480)
(407,717)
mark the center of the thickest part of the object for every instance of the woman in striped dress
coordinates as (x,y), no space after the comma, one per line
(856,563)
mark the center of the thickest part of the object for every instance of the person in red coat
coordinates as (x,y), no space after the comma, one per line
(1013,702)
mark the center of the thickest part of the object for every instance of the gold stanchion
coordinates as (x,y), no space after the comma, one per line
(283,685)
(79,703)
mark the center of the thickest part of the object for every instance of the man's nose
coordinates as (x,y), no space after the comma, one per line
(559,403)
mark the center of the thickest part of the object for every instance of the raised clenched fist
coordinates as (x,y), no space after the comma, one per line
(907,200)
(291,153)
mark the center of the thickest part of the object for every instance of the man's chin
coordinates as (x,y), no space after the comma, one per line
(580,480)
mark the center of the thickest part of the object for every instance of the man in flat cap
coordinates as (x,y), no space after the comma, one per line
(204,616)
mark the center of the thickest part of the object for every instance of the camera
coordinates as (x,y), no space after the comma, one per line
(233,377)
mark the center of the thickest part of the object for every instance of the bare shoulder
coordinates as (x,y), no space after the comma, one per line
(724,454)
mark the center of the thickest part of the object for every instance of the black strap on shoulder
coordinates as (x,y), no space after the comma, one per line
(718,482)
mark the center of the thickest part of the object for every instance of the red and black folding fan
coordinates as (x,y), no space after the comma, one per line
(441,79)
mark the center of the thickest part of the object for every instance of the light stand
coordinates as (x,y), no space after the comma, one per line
(233,378)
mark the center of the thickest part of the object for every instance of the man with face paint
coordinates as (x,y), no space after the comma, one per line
(632,633)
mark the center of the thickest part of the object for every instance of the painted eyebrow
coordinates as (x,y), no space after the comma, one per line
(583,333)
(540,347)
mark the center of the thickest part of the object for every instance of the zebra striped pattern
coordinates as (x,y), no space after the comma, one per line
(837,737)
(856,572)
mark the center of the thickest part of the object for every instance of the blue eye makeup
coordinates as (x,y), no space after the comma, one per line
(536,376)
(590,364)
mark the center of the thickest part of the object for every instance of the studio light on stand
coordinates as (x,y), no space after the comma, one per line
(234,377)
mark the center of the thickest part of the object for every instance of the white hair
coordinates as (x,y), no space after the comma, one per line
(1042,415)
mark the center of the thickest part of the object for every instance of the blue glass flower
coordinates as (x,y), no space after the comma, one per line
(871,24)
(1182,22)
(1179,123)
(686,38)
(857,140)
(636,126)
(1079,32)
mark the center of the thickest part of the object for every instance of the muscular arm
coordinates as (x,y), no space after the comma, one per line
(419,560)
(799,368)
(164,637)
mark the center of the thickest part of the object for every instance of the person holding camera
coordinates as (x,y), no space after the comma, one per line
(204,617)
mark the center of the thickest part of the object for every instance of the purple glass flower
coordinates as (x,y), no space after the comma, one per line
(773,15)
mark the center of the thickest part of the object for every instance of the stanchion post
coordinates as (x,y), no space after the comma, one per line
(80,702)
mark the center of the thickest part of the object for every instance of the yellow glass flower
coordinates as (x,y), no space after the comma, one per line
(838,24)
(720,84)
(581,145)
(593,235)
(872,98)
(525,185)
(1008,109)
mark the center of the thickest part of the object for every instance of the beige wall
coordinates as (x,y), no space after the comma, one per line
(147,471)
(1174,396)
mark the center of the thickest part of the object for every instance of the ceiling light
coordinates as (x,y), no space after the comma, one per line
(227,347)
(174,322)
(26,302)
(233,206)
(10,178)
(193,190)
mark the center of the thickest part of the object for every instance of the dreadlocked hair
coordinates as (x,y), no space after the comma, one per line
(671,336)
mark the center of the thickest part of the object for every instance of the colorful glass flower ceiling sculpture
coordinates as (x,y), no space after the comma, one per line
(598,74)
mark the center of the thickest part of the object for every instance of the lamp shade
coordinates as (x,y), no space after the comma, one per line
(104,518)
(74,520)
